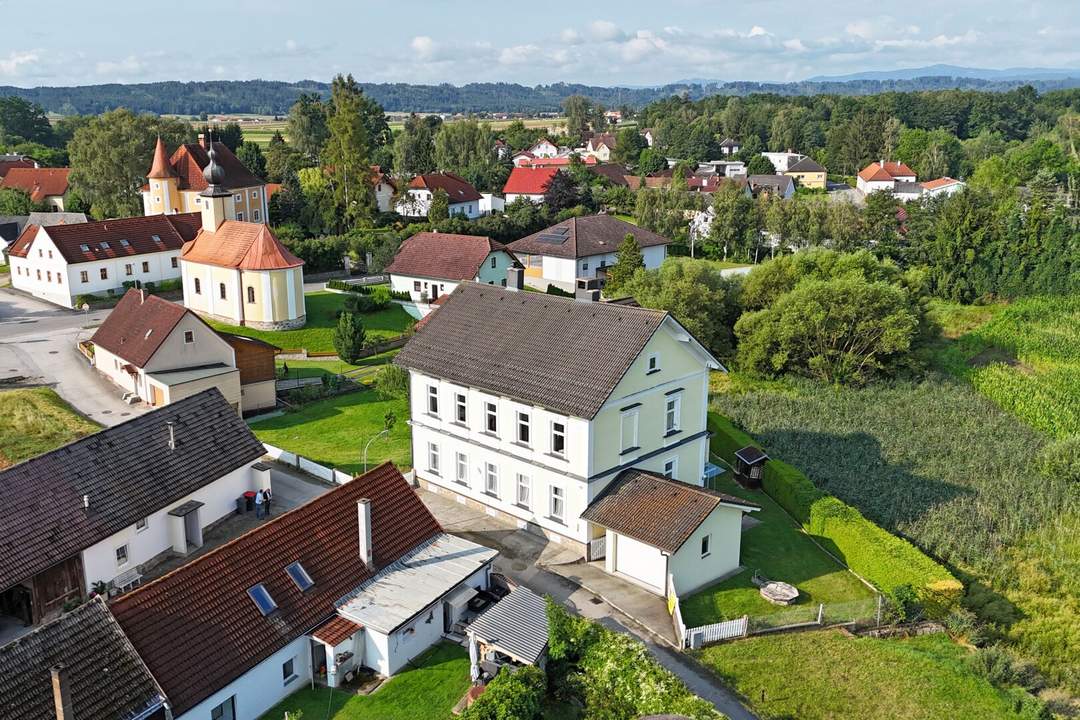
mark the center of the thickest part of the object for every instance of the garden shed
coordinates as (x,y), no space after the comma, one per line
(750,466)
(513,631)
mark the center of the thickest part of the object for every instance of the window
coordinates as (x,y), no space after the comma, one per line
(128,270)
(84,248)
(524,490)
(416,286)
(173,262)
(198,201)
(254,194)
(198,287)
(494,262)
(705,549)
(141,524)
(462,471)
(460,414)
(287,674)
(240,216)
(250,294)
(262,599)
(433,400)
(491,418)
(189,337)
(433,457)
(585,266)
(50,254)
(238,197)
(491,479)
(629,430)
(221,290)
(558,503)
(256,215)
(146,267)
(225,711)
(104,246)
(104,273)
(59,279)
(40,253)
(121,556)
(671,468)
(299,575)
(654,363)
(523,428)
(124,243)
(672,414)
(558,438)
(39,274)
(48,275)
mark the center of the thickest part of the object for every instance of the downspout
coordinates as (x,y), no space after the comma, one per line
(240,299)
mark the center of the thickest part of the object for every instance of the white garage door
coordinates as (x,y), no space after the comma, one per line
(641,562)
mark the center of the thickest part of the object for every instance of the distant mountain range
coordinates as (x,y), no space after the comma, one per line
(268,97)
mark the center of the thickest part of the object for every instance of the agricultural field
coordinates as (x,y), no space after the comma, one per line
(36,421)
(260,132)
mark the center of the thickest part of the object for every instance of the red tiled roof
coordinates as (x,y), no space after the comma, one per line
(198,630)
(876,172)
(240,245)
(137,326)
(7,165)
(21,246)
(529,180)
(456,187)
(103,239)
(336,630)
(560,161)
(160,168)
(939,183)
(40,183)
(272,189)
(190,159)
(443,255)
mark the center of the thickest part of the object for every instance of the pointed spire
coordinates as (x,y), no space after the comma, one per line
(161,168)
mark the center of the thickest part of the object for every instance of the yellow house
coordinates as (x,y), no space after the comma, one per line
(236,271)
(174,184)
(808,174)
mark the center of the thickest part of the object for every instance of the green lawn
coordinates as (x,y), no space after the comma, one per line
(334,431)
(317,368)
(828,675)
(318,334)
(35,421)
(427,692)
(782,552)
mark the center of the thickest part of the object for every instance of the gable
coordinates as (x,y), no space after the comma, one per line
(679,354)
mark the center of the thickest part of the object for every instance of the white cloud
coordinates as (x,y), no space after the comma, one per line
(423,46)
(129,66)
(794,45)
(290,45)
(10,64)
(570,36)
(605,31)
(519,54)
(757,31)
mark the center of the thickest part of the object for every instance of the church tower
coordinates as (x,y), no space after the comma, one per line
(217,203)
(164,197)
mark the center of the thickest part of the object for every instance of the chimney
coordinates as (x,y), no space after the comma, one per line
(587,290)
(363,517)
(204,141)
(61,693)
(515,278)
(172,435)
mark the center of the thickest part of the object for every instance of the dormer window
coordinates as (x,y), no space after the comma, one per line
(261,597)
(84,248)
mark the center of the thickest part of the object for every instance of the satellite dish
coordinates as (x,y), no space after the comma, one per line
(86,307)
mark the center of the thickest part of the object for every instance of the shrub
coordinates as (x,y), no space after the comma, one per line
(349,337)
(81,300)
(557,291)
(392,381)
(512,695)
(166,285)
(963,623)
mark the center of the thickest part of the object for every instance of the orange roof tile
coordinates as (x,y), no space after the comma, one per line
(161,168)
(529,180)
(40,183)
(939,183)
(877,172)
(240,245)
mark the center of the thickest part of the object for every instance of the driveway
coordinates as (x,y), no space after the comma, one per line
(38,341)
(545,568)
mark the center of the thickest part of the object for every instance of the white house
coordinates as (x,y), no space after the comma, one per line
(463,197)
(360,576)
(650,136)
(120,500)
(782,160)
(528,182)
(431,264)
(582,247)
(601,147)
(61,262)
(384,188)
(723,168)
(730,147)
(544,148)
(883,175)
(942,186)
(539,406)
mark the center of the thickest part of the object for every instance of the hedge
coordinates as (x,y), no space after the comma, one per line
(365,289)
(889,562)
(516,693)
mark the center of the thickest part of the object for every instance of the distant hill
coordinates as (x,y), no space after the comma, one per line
(954,71)
(268,97)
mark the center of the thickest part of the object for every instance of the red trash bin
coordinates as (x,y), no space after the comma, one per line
(249,496)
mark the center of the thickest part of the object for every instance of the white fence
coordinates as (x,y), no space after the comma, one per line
(705,634)
(309,466)
(598,548)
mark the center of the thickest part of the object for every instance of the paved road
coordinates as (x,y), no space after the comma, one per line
(37,341)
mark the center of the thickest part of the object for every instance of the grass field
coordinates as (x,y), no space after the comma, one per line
(334,431)
(318,334)
(828,675)
(261,132)
(426,692)
(35,421)
(318,368)
(781,552)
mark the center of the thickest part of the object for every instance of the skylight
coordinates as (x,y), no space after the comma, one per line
(156,238)
(299,576)
(104,246)
(84,248)
(124,242)
(262,599)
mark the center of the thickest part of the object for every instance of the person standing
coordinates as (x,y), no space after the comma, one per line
(267,497)
(259,498)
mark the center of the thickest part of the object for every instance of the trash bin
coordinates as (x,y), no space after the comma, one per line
(249,498)
(241,505)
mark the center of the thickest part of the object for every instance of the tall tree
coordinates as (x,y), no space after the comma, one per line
(22,121)
(628,146)
(349,336)
(561,192)
(251,155)
(347,153)
(579,110)
(230,134)
(439,209)
(306,125)
(628,261)
(467,148)
(282,159)
(414,148)
(15,201)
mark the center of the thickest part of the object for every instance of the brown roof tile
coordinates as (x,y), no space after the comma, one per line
(40,183)
(336,630)
(456,187)
(240,245)
(137,326)
(122,237)
(190,159)
(444,255)
(585,236)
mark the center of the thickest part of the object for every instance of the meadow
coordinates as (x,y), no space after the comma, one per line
(260,132)
(35,421)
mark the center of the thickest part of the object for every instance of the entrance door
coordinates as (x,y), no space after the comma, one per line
(447,617)
(193,529)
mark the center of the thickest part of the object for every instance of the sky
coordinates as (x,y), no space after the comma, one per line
(598,42)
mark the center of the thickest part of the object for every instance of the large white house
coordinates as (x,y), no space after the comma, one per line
(102,508)
(61,262)
(582,247)
(461,196)
(529,406)
(431,264)
(884,175)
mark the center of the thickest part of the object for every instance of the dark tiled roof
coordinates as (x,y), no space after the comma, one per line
(137,326)
(443,255)
(197,628)
(657,511)
(126,472)
(106,678)
(806,165)
(457,188)
(779,184)
(585,236)
(138,232)
(558,353)
(614,172)
(190,159)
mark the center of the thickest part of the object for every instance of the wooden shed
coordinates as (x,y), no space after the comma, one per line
(750,466)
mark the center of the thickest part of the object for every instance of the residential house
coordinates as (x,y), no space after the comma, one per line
(431,264)
(11,226)
(176,183)
(582,247)
(62,262)
(808,174)
(782,160)
(45,186)
(730,147)
(463,197)
(80,665)
(601,147)
(942,186)
(907,191)
(529,183)
(502,149)
(559,161)
(650,136)
(781,186)
(544,148)
(522,158)
(384,186)
(615,173)
(528,406)
(13,160)
(237,272)
(102,508)
(258,372)
(883,175)
(362,575)
(722,168)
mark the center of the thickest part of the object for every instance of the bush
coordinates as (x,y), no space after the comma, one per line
(81,300)
(166,285)
(349,337)
(512,695)
(557,291)
(392,381)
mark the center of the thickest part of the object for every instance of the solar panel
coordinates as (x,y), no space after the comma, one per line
(554,236)
(262,599)
(299,576)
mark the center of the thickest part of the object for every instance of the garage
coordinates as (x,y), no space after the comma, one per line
(640,562)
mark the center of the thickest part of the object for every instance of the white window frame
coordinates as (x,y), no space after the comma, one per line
(461,408)
(491,415)
(127,555)
(558,434)
(672,414)
(629,416)
(653,363)
(461,468)
(524,422)
(524,483)
(189,337)
(491,479)
(557,495)
(433,457)
(706,545)
(671,468)
(218,712)
(289,676)
(238,197)
(433,400)
(142,524)
(256,215)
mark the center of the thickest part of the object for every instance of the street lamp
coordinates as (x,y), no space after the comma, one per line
(388,424)
(376,437)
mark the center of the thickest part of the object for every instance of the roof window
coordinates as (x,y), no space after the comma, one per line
(299,576)
(104,246)
(262,599)
(84,248)
(157,239)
